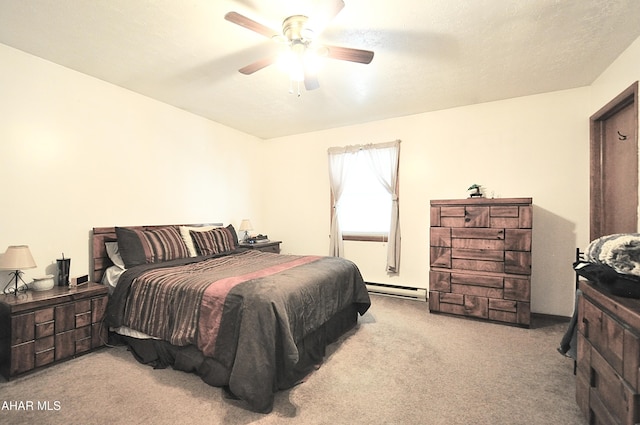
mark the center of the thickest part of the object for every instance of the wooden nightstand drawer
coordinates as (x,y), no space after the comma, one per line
(45,329)
(98,308)
(271,246)
(83,345)
(44,315)
(22,328)
(82,333)
(42,328)
(45,357)
(83,319)
(82,306)
(65,317)
(24,357)
(44,344)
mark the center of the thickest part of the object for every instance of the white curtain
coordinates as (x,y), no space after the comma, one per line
(382,158)
(337,178)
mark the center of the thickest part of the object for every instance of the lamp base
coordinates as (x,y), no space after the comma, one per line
(14,280)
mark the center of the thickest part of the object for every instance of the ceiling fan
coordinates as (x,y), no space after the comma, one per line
(298,34)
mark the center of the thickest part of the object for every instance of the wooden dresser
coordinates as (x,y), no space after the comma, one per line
(480,257)
(40,328)
(608,357)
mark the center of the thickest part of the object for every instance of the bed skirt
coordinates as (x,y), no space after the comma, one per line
(312,349)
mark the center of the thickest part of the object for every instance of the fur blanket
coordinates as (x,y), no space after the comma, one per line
(619,251)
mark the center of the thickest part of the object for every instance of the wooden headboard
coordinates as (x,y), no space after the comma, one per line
(100,259)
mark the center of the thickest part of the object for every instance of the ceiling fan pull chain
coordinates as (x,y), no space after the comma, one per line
(291,87)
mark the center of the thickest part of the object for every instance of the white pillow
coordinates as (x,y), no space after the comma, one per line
(114,254)
(111,276)
(186,237)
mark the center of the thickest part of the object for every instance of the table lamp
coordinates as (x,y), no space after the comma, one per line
(245,226)
(16,258)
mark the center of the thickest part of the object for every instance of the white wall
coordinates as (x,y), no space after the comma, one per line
(534,146)
(617,77)
(78,153)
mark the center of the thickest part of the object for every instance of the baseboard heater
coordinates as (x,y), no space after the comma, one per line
(397,291)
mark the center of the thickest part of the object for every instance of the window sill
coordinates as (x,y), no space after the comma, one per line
(365,238)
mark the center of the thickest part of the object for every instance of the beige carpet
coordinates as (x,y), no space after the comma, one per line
(401,365)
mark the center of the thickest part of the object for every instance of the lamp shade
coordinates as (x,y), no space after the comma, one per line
(17,257)
(245,225)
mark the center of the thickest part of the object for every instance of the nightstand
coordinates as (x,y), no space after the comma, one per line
(38,329)
(271,246)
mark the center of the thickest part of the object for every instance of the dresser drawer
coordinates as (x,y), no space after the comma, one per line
(82,306)
(604,333)
(45,329)
(609,395)
(45,357)
(44,344)
(44,315)
(22,328)
(83,319)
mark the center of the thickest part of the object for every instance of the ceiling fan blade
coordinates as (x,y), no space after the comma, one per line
(311,81)
(337,7)
(250,24)
(349,54)
(257,65)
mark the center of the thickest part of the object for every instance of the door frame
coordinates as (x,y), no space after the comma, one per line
(597,207)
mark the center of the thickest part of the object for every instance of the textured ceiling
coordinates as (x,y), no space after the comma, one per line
(429,55)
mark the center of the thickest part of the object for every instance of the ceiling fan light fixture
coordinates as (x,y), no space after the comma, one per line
(295,28)
(290,63)
(301,58)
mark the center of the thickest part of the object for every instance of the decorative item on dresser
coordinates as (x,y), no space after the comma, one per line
(481,258)
(40,328)
(608,357)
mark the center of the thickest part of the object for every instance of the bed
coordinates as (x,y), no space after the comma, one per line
(252,322)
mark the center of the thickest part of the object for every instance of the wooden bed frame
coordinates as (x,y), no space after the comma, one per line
(100,260)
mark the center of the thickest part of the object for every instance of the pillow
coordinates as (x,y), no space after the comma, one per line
(111,276)
(139,246)
(114,254)
(216,241)
(186,237)
(234,234)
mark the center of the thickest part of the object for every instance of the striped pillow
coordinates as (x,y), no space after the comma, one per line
(138,246)
(216,241)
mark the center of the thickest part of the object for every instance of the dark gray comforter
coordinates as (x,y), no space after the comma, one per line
(249,313)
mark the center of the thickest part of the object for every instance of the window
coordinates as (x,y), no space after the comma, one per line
(365,205)
(364,197)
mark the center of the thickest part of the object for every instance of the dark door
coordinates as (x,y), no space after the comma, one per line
(614,166)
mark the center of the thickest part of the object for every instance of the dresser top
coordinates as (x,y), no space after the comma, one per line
(482,201)
(58,294)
